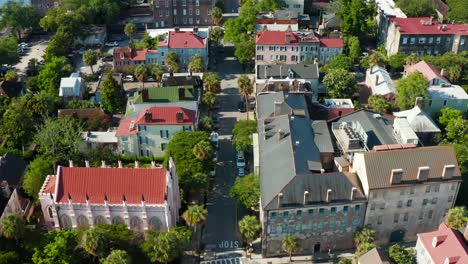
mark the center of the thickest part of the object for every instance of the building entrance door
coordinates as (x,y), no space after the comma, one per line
(317,248)
(397,235)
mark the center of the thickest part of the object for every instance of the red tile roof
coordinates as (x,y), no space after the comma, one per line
(416,26)
(331,42)
(268,37)
(131,55)
(428,70)
(160,116)
(184,40)
(451,245)
(49,184)
(115,183)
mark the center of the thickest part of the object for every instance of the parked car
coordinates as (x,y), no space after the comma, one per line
(215,156)
(240,159)
(82,50)
(214,137)
(129,78)
(112,44)
(151,79)
(108,58)
(241,106)
(241,172)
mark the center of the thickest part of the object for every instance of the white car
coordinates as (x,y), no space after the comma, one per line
(240,160)
(214,137)
(112,44)
(129,78)
(241,172)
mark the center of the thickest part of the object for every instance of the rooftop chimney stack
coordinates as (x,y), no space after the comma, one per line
(70,163)
(69,199)
(153,164)
(180,117)
(277,108)
(442,72)
(419,101)
(437,240)
(306,197)
(86,162)
(137,164)
(280,200)
(120,164)
(376,79)
(353,193)
(329,195)
(288,38)
(103,164)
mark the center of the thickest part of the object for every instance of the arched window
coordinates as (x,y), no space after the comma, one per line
(65,222)
(136,224)
(100,220)
(117,220)
(82,221)
(155,223)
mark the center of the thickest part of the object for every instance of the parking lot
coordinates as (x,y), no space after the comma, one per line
(36,50)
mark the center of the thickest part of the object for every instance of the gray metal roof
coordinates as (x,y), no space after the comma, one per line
(379,129)
(12,169)
(289,102)
(379,164)
(299,71)
(322,136)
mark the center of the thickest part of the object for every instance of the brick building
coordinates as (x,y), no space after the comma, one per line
(172,13)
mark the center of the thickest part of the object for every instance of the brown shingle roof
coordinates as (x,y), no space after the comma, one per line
(380,164)
(374,256)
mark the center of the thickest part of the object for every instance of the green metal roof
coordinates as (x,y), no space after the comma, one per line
(168,94)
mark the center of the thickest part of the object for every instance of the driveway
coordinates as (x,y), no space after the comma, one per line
(36,51)
(220,232)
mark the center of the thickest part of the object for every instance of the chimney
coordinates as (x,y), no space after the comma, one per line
(449,171)
(124,200)
(103,164)
(148,117)
(181,92)
(376,79)
(153,164)
(442,72)
(322,171)
(281,134)
(277,108)
(419,101)
(86,163)
(288,38)
(353,193)
(180,117)
(145,95)
(105,200)
(195,30)
(306,197)
(396,176)
(423,173)
(137,164)
(120,164)
(70,163)
(329,195)
(142,200)
(176,29)
(69,199)
(437,240)
(87,200)
(280,200)
(171,73)
(371,69)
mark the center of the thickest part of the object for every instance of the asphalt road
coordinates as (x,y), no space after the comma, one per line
(220,233)
(232,6)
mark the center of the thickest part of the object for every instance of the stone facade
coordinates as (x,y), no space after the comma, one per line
(181,13)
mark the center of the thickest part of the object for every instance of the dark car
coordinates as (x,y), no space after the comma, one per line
(108,58)
(241,106)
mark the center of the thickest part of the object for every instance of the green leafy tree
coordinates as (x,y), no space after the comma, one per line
(217,35)
(11,76)
(196,63)
(340,84)
(203,150)
(242,132)
(291,245)
(270,5)
(8,49)
(209,99)
(50,75)
(77,104)
(354,48)
(446,115)
(457,217)
(141,73)
(111,94)
(245,52)
(416,8)
(16,126)
(40,104)
(7,257)
(156,71)
(457,131)
(357,17)
(130,30)
(377,58)
(212,82)
(457,11)
(363,248)
(17,17)
(345,261)
(400,255)
(61,19)
(397,61)
(58,44)
(172,61)
(340,61)
(59,247)
(250,228)
(165,247)
(117,236)
(117,256)
(379,103)
(364,235)
(412,86)
(207,124)
(90,58)
(217,15)
(37,171)
(246,191)
(13,226)
(195,215)
(94,241)
(245,89)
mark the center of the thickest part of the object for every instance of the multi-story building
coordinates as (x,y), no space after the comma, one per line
(379,82)
(149,133)
(287,47)
(141,198)
(386,9)
(419,121)
(323,208)
(282,20)
(433,75)
(441,96)
(294,6)
(183,13)
(425,36)
(409,190)
(125,57)
(444,245)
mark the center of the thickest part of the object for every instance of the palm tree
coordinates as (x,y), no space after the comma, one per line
(217,35)
(203,150)
(457,217)
(11,76)
(250,228)
(141,73)
(172,61)
(291,245)
(117,256)
(94,242)
(217,15)
(130,30)
(212,82)
(209,99)
(195,215)
(207,123)
(157,72)
(376,58)
(245,88)
(13,226)
(90,58)
(196,63)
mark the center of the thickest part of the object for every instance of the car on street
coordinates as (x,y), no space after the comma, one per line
(214,137)
(241,172)
(108,58)
(82,50)
(129,78)
(240,159)
(241,106)
(215,156)
(112,44)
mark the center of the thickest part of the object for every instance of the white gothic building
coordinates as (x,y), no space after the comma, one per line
(141,198)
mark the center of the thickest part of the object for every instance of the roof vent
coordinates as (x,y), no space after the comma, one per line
(423,173)
(132,125)
(451,260)
(437,240)
(377,116)
(396,176)
(449,171)
(297,143)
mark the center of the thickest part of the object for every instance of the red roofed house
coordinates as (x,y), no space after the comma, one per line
(126,56)
(185,44)
(444,246)
(329,48)
(148,133)
(432,74)
(141,198)
(423,35)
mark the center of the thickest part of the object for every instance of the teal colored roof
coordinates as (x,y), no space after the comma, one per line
(168,94)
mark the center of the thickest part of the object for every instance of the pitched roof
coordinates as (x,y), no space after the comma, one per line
(374,256)
(270,37)
(331,42)
(286,103)
(126,128)
(130,54)
(380,81)
(389,8)
(165,94)
(299,71)
(322,137)
(70,82)
(185,40)
(12,169)
(115,183)
(427,26)
(10,88)
(428,70)
(447,92)
(379,164)
(451,245)
(419,120)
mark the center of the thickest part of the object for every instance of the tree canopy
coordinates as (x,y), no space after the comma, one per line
(38,169)
(340,61)
(400,255)
(246,191)
(117,256)
(196,64)
(357,16)
(50,75)
(112,95)
(90,58)
(416,8)
(172,61)
(457,11)
(212,82)
(340,83)
(13,226)
(8,49)
(61,247)
(242,132)
(17,17)
(291,244)
(250,228)
(457,217)
(446,115)
(165,247)
(379,103)
(217,15)
(409,88)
